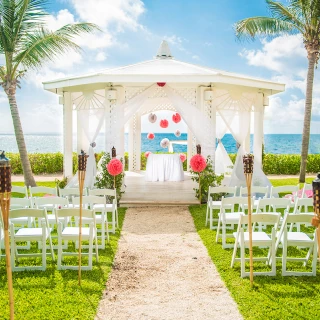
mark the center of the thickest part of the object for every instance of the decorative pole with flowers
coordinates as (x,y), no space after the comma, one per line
(198,164)
(316,208)
(248,171)
(114,167)
(5,193)
(82,166)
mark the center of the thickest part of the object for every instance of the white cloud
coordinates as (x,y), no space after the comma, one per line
(101,56)
(195,57)
(62,18)
(37,77)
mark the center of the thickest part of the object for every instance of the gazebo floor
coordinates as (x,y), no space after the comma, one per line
(139,192)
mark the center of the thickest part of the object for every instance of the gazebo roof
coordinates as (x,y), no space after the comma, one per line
(163,68)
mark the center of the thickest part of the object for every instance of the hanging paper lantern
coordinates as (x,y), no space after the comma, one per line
(150,136)
(114,167)
(198,163)
(177,133)
(165,143)
(164,123)
(147,154)
(183,157)
(176,118)
(152,118)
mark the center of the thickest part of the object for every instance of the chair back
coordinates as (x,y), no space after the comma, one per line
(257,191)
(21,190)
(45,190)
(268,218)
(89,200)
(283,189)
(54,201)
(74,212)
(272,204)
(302,205)
(306,187)
(20,203)
(231,191)
(303,218)
(27,212)
(233,201)
(68,192)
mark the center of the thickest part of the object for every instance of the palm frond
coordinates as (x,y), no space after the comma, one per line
(251,27)
(288,14)
(73,30)
(41,47)
(7,8)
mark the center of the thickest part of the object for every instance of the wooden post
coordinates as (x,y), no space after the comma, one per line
(5,194)
(82,164)
(248,171)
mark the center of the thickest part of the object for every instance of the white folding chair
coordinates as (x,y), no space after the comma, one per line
(41,233)
(257,192)
(290,191)
(112,206)
(229,218)
(1,238)
(259,239)
(98,205)
(306,187)
(297,239)
(23,191)
(69,193)
(46,190)
(216,204)
(72,234)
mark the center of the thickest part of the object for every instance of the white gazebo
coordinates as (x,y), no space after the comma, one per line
(210,101)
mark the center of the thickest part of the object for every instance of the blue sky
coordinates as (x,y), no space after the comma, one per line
(199,32)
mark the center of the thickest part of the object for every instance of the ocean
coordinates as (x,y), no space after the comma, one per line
(274,143)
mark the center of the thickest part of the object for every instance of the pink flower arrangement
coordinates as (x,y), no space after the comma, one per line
(147,154)
(164,123)
(183,157)
(176,118)
(114,167)
(198,163)
(150,136)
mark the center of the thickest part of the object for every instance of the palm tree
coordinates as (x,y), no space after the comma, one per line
(298,17)
(26,44)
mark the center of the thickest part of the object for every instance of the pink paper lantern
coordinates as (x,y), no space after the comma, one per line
(183,157)
(152,118)
(176,118)
(177,133)
(114,167)
(147,154)
(164,123)
(198,163)
(150,136)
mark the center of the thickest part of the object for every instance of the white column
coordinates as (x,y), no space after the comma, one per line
(214,124)
(131,145)
(107,124)
(248,137)
(67,135)
(189,148)
(137,142)
(121,132)
(82,141)
(258,128)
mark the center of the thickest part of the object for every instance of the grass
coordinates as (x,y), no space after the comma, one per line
(54,294)
(271,297)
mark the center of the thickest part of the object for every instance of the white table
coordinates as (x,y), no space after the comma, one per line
(164,167)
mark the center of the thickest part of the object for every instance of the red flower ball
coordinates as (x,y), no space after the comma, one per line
(147,154)
(115,167)
(150,136)
(164,123)
(176,118)
(183,157)
(198,163)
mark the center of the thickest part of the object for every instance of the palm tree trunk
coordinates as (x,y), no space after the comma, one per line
(307,116)
(27,172)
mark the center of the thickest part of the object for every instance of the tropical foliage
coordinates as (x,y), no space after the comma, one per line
(298,17)
(26,44)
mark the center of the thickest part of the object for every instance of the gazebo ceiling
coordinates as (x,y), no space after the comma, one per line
(163,68)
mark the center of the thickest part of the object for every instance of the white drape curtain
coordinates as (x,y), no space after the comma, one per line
(223,163)
(91,121)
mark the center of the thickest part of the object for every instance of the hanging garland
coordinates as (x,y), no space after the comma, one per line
(164,123)
(176,118)
(152,118)
(150,136)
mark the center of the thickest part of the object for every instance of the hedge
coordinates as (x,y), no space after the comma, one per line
(272,163)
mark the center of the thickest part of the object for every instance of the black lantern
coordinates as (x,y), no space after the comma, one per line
(5,173)
(248,163)
(82,161)
(198,148)
(113,152)
(316,195)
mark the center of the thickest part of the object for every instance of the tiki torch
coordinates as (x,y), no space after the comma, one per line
(5,193)
(82,164)
(316,208)
(248,171)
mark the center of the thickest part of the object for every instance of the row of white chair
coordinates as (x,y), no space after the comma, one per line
(41,233)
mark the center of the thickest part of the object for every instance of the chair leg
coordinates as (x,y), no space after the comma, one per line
(13,249)
(218,228)
(315,256)
(207,214)
(59,247)
(284,258)
(117,217)
(234,254)
(273,253)
(211,218)
(242,254)
(90,247)
(44,250)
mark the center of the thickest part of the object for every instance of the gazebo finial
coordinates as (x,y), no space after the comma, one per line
(164,51)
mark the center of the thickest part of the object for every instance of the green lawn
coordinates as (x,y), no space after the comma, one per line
(55,294)
(272,297)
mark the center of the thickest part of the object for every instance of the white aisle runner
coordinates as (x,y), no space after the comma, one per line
(163,271)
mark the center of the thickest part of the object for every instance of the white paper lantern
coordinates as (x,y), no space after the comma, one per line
(152,118)
(165,143)
(177,133)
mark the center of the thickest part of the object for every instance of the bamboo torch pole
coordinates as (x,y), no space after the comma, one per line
(82,164)
(316,208)
(5,194)
(248,171)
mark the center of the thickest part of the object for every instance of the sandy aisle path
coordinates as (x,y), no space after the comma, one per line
(162,271)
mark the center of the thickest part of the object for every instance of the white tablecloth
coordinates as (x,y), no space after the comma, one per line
(164,167)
